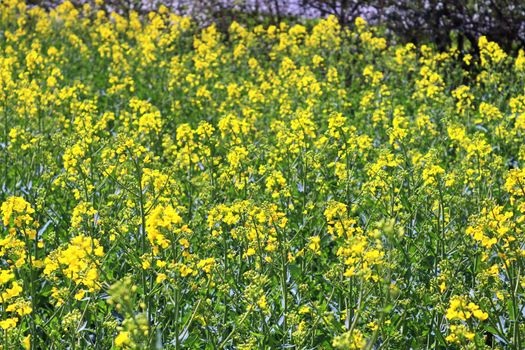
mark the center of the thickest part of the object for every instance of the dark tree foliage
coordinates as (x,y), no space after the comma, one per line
(443,22)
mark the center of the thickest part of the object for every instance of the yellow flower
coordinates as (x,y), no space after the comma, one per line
(305,309)
(12,292)
(26,342)
(161,277)
(314,244)
(490,52)
(80,294)
(262,302)
(351,340)
(462,310)
(78,262)
(431,174)
(18,210)
(161,218)
(6,276)
(8,323)
(122,339)
(206,264)
(249,252)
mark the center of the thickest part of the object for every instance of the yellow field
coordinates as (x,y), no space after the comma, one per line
(165,186)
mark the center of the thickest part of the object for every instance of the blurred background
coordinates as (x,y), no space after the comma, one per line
(442,22)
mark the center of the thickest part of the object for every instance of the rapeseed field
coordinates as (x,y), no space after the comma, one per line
(171,186)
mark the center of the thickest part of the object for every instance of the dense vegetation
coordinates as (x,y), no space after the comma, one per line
(170,186)
(442,22)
